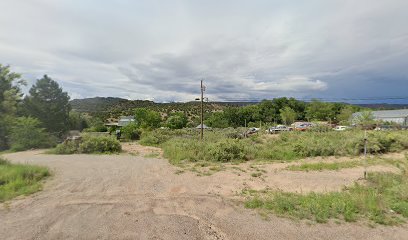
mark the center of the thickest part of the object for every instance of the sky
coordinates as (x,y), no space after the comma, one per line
(244,50)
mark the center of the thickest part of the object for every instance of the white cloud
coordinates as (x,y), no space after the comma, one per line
(247,49)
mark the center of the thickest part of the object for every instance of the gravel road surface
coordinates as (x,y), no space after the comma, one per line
(131,197)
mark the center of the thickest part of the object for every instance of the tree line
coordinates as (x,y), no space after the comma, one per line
(37,119)
(282,111)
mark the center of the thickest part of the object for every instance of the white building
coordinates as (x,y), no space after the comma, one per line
(399,116)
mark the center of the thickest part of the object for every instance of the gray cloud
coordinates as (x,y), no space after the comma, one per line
(243,49)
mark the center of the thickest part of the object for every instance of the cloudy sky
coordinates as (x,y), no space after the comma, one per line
(159,50)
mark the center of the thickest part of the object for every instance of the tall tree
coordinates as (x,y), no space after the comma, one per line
(177,120)
(146,118)
(288,115)
(50,104)
(320,111)
(10,96)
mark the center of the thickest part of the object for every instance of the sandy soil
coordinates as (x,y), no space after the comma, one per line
(131,197)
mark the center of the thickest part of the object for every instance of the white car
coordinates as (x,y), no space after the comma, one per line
(340,128)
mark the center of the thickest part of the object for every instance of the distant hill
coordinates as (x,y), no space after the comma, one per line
(383,106)
(96,104)
(110,107)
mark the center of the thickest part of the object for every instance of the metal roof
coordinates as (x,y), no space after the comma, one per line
(125,120)
(399,113)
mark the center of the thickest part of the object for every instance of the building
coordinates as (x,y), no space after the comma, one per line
(123,121)
(399,116)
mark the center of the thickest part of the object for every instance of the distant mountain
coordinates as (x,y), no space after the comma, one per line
(96,104)
(110,107)
(383,106)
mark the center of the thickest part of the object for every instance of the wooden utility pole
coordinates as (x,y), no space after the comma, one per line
(202,110)
(365,154)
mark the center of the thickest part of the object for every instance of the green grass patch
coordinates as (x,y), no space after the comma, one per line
(152,155)
(320,166)
(20,179)
(384,200)
(227,145)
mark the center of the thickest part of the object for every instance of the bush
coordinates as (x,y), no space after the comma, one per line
(222,145)
(177,121)
(90,144)
(227,150)
(68,147)
(131,132)
(27,134)
(99,144)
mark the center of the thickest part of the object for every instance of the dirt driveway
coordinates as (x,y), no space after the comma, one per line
(131,197)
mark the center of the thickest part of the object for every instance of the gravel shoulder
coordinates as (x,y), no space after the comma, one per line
(132,197)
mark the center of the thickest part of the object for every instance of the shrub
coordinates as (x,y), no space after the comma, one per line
(177,121)
(99,144)
(227,150)
(27,134)
(131,132)
(68,147)
(90,144)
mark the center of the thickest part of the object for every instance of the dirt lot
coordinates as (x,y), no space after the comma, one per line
(132,197)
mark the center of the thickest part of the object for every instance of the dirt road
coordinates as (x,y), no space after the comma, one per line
(131,197)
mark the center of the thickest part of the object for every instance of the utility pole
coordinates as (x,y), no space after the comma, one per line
(365,154)
(202,110)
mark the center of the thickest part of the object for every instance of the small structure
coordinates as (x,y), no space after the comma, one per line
(399,116)
(125,120)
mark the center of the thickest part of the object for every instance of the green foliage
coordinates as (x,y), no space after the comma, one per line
(147,119)
(77,121)
(27,133)
(185,145)
(217,120)
(99,144)
(19,179)
(384,192)
(90,144)
(10,97)
(96,125)
(324,166)
(48,103)
(288,115)
(345,114)
(177,121)
(131,132)
(365,120)
(320,111)
(67,147)
(227,150)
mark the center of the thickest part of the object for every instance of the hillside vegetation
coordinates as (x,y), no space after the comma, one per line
(228,145)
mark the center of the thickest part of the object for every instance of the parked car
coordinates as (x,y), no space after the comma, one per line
(251,131)
(279,128)
(341,128)
(302,126)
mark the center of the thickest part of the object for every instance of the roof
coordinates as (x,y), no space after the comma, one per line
(125,120)
(399,113)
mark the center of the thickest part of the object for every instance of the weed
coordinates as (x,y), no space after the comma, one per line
(383,200)
(20,179)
